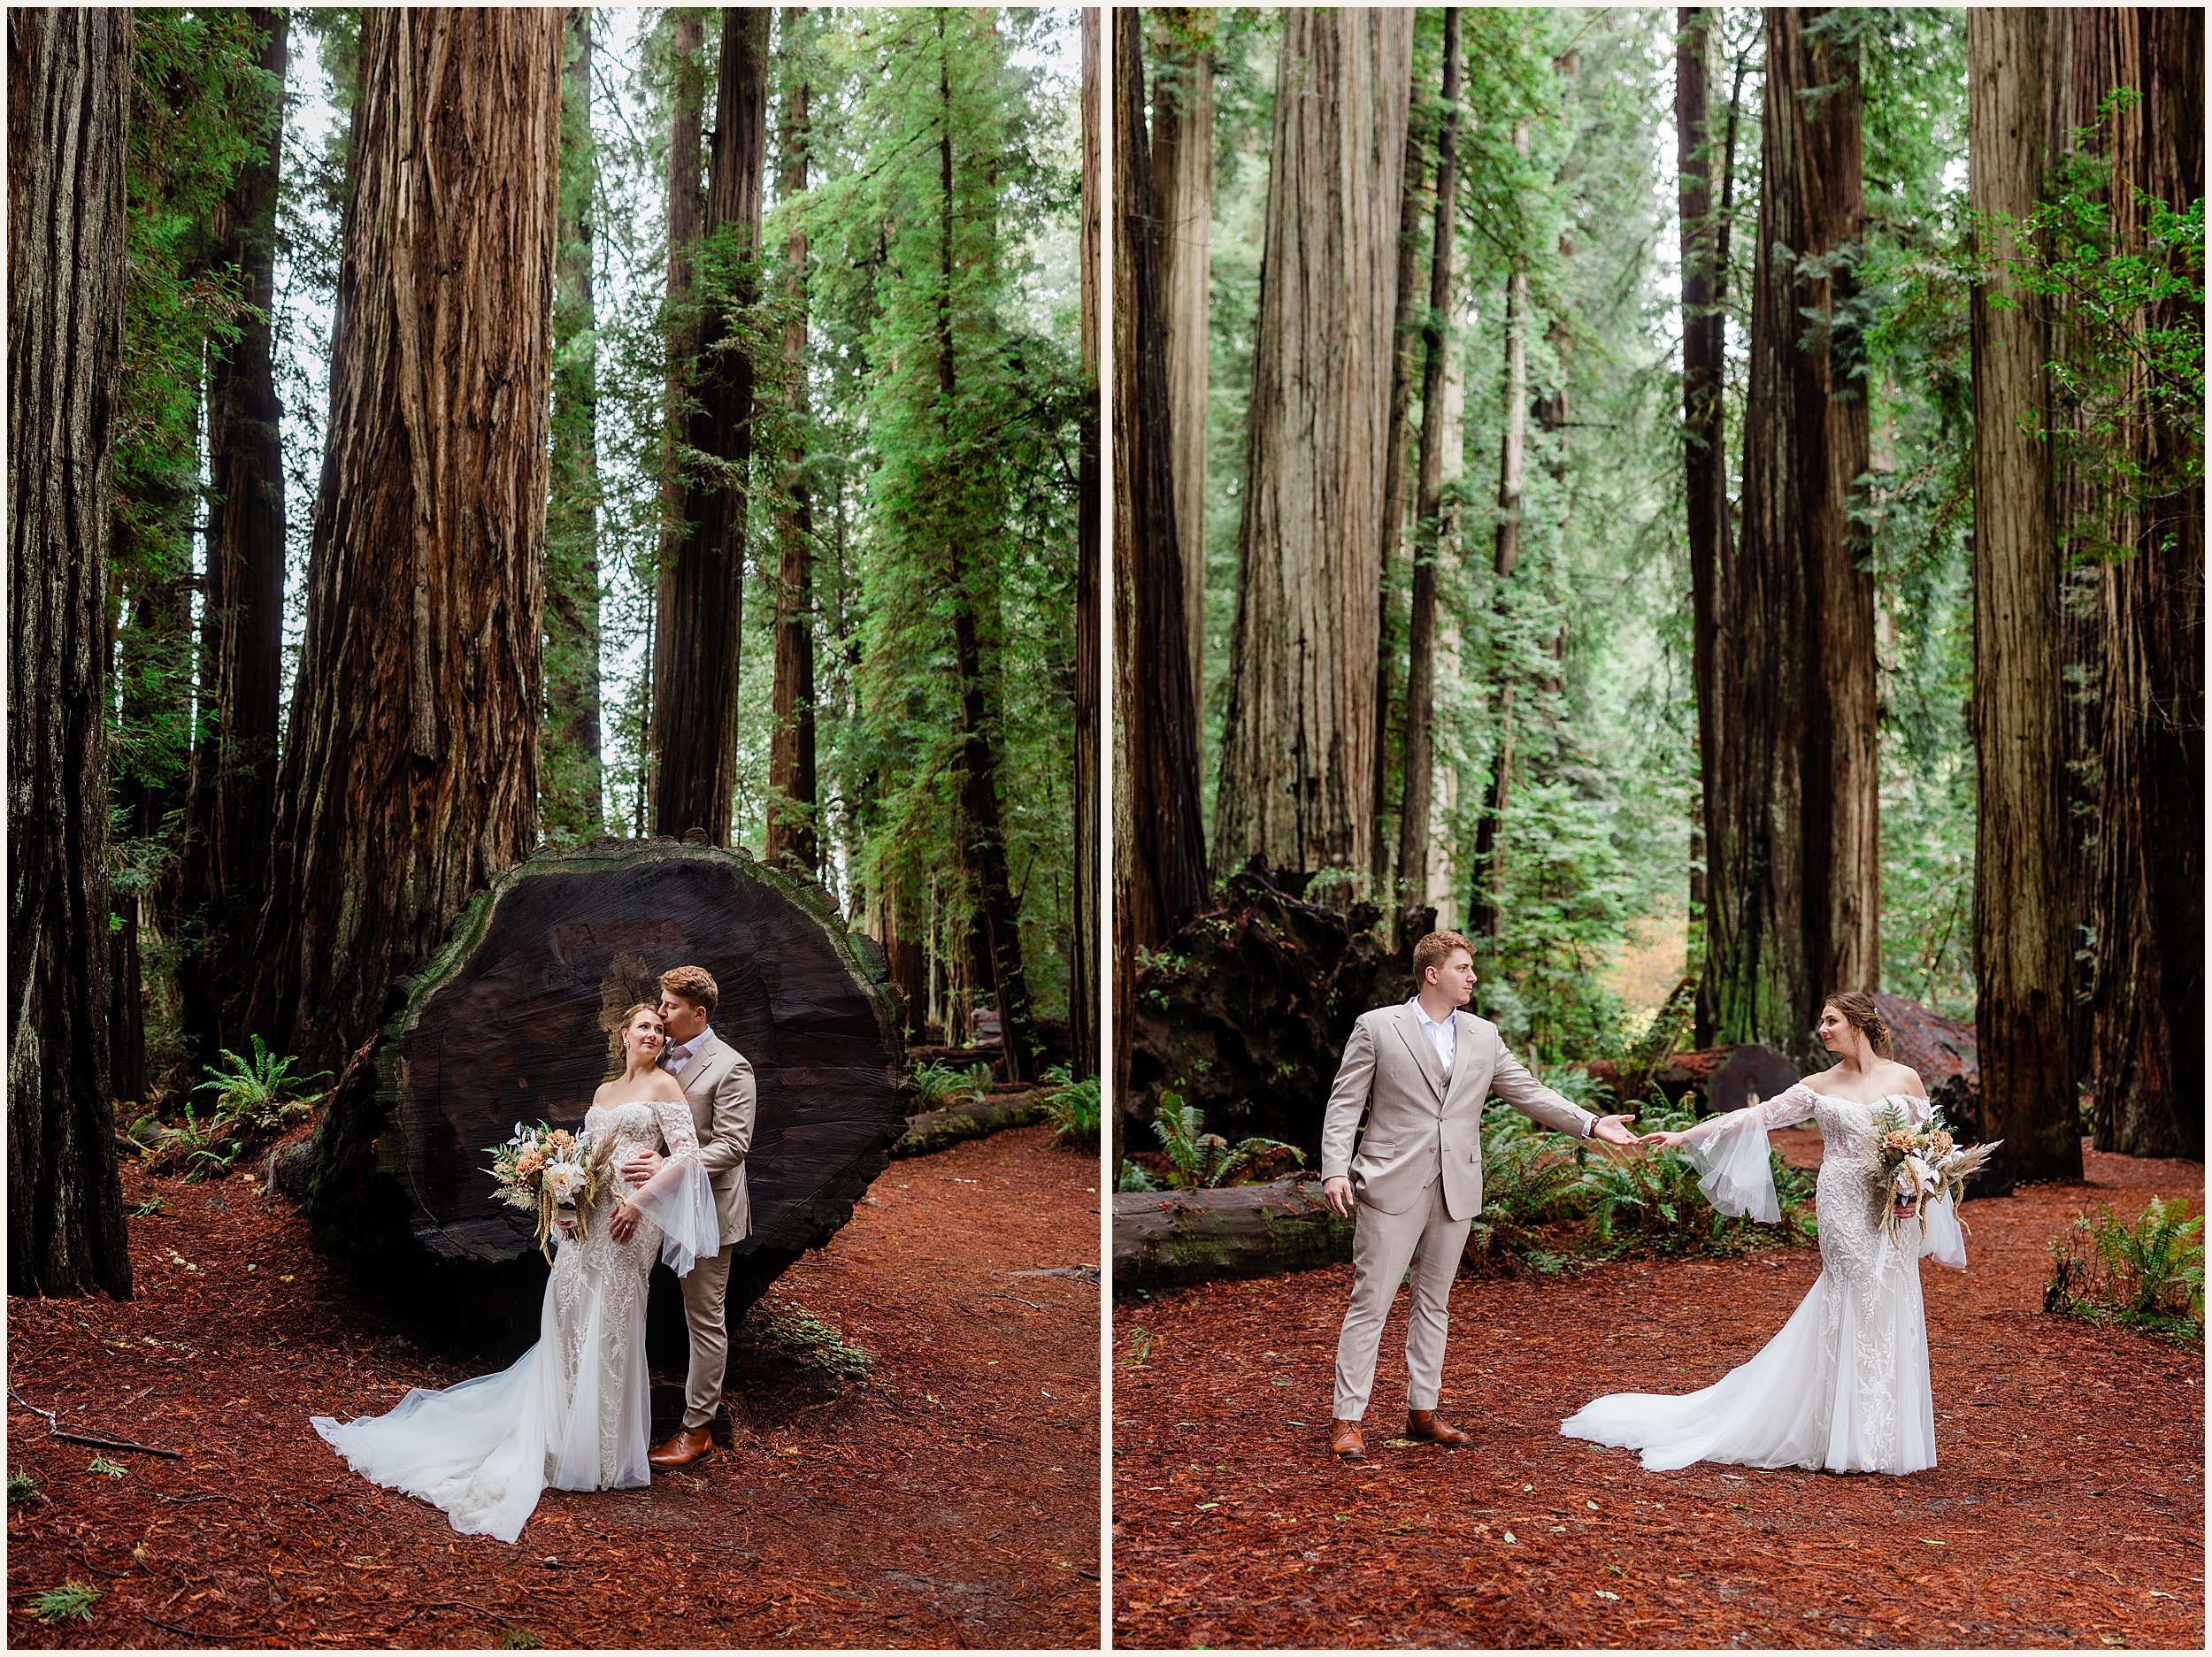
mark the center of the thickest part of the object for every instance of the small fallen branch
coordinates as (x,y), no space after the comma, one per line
(55,1429)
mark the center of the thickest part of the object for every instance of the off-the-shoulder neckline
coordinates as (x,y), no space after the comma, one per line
(1845,1099)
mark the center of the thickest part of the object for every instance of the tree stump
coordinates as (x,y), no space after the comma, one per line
(514,1020)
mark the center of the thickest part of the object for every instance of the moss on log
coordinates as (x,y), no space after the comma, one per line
(1171,1240)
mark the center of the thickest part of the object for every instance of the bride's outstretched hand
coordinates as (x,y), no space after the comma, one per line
(1664,1141)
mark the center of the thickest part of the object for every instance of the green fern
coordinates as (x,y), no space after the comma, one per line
(261,1092)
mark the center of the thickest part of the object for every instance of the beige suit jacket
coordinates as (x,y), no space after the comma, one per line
(718,1084)
(1420,1126)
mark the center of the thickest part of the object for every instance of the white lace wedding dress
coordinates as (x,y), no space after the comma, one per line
(1845,1384)
(571,1412)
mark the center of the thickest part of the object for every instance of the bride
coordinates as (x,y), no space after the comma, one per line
(1845,1384)
(571,1412)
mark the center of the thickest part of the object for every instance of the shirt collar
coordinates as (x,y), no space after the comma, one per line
(691,1047)
(1422,1013)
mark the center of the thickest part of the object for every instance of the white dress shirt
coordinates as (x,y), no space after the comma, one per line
(1440,1036)
(675,1055)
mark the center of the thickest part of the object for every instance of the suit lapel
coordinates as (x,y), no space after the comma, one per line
(697,1071)
(1417,1039)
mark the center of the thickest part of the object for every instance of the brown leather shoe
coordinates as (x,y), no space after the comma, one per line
(1344,1441)
(686,1446)
(1423,1423)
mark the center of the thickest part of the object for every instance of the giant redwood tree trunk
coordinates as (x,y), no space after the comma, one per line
(1159,841)
(1297,783)
(69,91)
(1183,208)
(571,759)
(2148,1005)
(791,822)
(242,621)
(410,768)
(2020,912)
(1428,543)
(515,1019)
(700,595)
(1792,786)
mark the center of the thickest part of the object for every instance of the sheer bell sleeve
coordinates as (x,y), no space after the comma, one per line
(1942,1239)
(679,1197)
(1729,1155)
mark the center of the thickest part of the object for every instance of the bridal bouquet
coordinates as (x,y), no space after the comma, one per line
(549,1168)
(1918,1167)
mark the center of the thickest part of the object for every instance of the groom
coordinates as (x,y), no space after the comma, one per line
(718,1084)
(1422,1071)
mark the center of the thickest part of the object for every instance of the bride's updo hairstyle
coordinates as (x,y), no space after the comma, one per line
(1859,1012)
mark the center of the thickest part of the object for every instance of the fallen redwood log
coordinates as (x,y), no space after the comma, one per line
(514,1021)
(940,1130)
(1171,1240)
(1713,1078)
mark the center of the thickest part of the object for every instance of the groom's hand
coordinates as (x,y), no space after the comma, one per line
(1614,1131)
(641,1166)
(1336,1191)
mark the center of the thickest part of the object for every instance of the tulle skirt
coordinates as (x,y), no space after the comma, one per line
(483,1450)
(1843,1387)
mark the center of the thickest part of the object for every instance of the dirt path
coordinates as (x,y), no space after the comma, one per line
(950,1498)
(2068,1508)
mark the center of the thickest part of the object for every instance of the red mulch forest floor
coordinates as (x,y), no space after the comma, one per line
(950,1500)
(2066,1507)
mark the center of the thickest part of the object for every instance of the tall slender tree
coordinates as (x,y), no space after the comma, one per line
(1159,843)
(69,91)
(410,764)
(791,837)
(1183,203)
(1084,986)
(1297,781)
(1791,782)
(700,597)
(233,798)
(571,782)
(1413,818)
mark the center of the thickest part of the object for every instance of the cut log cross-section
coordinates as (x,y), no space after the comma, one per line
(514,1021)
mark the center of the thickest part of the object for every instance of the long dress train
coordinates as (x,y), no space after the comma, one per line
(574,1411)
(1844,1385)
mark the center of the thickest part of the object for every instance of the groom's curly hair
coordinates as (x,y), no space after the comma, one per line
(695,985)
(1434,950)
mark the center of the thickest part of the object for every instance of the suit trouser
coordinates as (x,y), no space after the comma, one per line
(705,1286)
(1426,1238)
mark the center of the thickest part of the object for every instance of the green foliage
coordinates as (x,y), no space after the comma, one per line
(205,1151)
(1133,1178)
(22,1486)
(515,1638)
(814,1342)
(1198,1159)
(2148,1276)
(106,1468)
(260,1093)
(71,1599)
(938,1086)
(1072,1108)
(1529,1180)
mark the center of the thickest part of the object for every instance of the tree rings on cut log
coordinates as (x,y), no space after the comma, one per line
(516,1020)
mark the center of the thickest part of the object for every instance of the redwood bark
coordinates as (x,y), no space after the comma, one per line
(242,618)
(1487,894)
(1704,371)
(1087,942)
(700,595)
(1792,848)
(2148,1005)
(1401,337)
(410,764)
(1413,818)
(791,830)
(1297,775)
(1159,843)
(2020,910)
(69,91)
(571,772)
(685,209)
(1183,205)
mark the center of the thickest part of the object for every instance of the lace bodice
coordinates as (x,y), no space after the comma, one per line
(645,1124)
